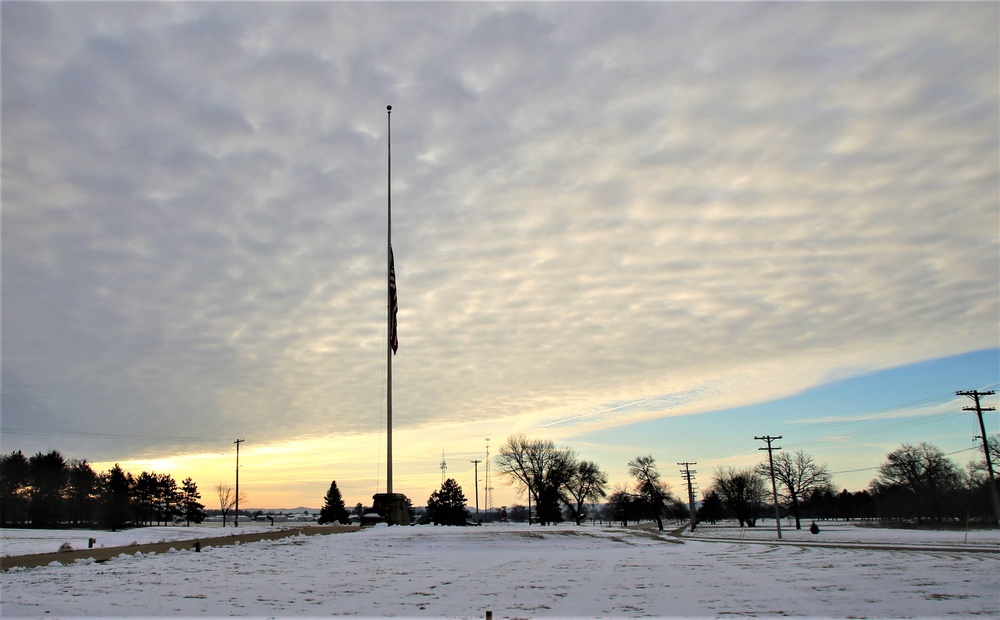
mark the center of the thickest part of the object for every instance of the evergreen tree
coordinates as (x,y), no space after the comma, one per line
(193,509)
(116,498)
(711,509)
(333,509)
(81,496)
(15,482)
(144,493)
(167,499)
(49,476)
(446,506)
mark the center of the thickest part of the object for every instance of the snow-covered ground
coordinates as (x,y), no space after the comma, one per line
(518,571)
(26,541)
(842,532)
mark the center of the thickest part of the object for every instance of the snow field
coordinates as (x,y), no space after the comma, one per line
(518,572)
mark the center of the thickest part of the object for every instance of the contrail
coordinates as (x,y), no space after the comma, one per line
(587,415)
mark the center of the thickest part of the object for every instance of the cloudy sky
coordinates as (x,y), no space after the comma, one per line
(606,216)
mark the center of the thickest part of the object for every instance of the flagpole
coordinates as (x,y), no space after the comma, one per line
(393,507)
(389,317)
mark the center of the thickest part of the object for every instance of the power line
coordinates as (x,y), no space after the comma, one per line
(745,453)
(879,414)
(884,429)
(296,480)
(851,471)
(871,415)
(17,430)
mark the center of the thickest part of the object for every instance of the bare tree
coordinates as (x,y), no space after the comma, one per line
(743,491)
(621,505)
(541,469)
(798,476)
(978,467)
(983,484)
(924,472)
(227,499)
(587,483)
(653,492)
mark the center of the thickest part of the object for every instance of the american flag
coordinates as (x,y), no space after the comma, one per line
(393,305)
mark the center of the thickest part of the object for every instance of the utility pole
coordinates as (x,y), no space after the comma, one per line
(774,487)
(979,409)
(476,463)
(236,515)
(688,476)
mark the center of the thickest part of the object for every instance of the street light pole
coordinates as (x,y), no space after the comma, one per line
(476,463)
(236,515)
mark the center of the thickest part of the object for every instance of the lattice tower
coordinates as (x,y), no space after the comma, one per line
(489,482)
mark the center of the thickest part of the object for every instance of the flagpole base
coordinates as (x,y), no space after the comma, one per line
(393,507)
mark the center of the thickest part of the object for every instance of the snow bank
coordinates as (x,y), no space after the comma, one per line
(16,541)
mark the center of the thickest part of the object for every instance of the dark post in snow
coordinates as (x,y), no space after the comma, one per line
(979,409)
(236,515)
(774,487)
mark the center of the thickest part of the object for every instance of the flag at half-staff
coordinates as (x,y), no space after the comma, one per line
(393,305)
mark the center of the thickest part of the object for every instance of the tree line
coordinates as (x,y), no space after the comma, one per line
(915,484)
(47,491)
(445,506)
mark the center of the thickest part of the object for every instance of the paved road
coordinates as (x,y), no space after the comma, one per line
(849,545)
(677,533)
(101,554)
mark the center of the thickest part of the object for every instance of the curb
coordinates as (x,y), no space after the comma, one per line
(103,554)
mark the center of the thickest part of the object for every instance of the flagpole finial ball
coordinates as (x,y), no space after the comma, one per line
(388,108)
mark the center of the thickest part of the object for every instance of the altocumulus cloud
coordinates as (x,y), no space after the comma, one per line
(678,206)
